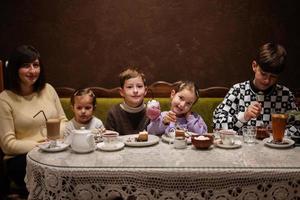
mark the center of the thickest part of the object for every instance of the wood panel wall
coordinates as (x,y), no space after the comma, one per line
(87,43)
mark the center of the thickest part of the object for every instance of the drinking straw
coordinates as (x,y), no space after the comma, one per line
(41,111)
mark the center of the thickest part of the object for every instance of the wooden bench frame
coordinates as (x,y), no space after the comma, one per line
(156,89)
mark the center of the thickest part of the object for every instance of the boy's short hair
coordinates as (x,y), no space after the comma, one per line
(81,92)
(130,73)
(189,85)
(271,58)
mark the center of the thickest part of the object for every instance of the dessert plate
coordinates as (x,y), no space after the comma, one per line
(237,144)
(130,140)
(60,146)
(111,147)
(286,143)
(170,140)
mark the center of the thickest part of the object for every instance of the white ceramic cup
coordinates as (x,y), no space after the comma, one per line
(110,137)
(180,143)
(228,137)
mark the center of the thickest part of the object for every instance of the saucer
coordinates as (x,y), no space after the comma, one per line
(129,140)
(111,147)
(237,144)
(60,146)
(286,143)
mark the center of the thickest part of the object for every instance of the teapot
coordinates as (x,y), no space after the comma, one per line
(83,140)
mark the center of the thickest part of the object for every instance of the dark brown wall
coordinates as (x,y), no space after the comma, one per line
(87,43)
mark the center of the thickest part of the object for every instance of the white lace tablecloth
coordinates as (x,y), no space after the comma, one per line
(162,172)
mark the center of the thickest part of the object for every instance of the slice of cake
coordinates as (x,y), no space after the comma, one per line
(179,133)
(143,136)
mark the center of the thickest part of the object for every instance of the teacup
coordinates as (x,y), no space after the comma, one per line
(180,143)
(110,137)
(228,137)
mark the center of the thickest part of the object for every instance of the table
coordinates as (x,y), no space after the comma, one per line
(162,172)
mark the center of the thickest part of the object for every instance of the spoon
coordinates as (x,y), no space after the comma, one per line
(260,96)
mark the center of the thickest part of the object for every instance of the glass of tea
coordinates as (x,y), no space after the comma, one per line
(279,121)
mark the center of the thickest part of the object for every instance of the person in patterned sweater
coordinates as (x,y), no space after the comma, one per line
(252,102)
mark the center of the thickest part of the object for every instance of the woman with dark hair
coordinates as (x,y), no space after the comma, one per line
(26,94)
(20,60)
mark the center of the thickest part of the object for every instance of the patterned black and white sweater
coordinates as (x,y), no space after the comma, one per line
(230,113)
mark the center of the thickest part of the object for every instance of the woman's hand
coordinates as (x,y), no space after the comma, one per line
(252,111)
(43,141)
(169,117)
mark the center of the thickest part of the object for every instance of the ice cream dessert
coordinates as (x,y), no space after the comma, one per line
(202,141)
(153,109)
(201,137)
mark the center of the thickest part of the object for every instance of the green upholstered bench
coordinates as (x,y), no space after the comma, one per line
(209,99)
(204,107)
